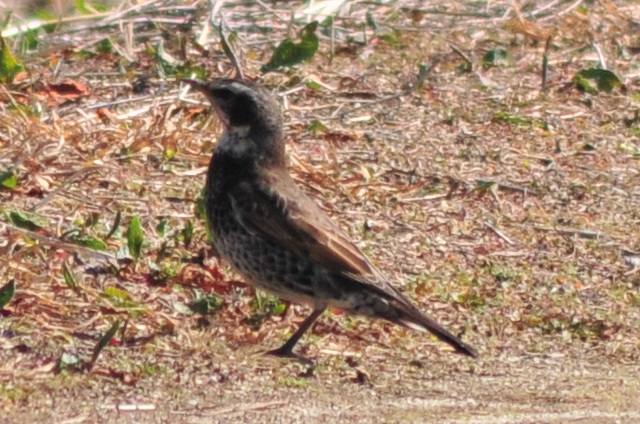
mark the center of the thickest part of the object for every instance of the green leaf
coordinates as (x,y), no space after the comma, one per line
(313,85)
(496,57)
(593,80)
(279,308)
(269,305)
(8,179)
(82,8)
(104,340)
(135,237)
(47,16)
(6,293)
(69,278)
(90,242)
(316,127)
(511,119)
(7,19)
(29,41)
(116,293)
(288,53)
(161,228)
(200,210)
(9,66)
(205,305)
(326,25)
(169,153)
(187,233)
(371,22)
(391,38)
(585,85)
(105,46)
(26,220)
(486,185)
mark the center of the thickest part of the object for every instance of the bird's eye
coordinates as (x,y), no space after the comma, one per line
(222,93)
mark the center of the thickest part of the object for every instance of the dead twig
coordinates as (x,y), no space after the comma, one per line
(272,11)
(421,77)
(543,8)
(56,243)
(464,57)
(130,407)
(545,63)
(499,185)
(228,50)
(84,172)
(510,254)
(601,59)
(224,410)
(570,231)
(562,12)
(499,233)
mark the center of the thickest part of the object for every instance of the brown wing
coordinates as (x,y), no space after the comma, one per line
(278,210)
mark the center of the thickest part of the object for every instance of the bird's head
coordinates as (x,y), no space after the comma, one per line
(240,104)
(246,110)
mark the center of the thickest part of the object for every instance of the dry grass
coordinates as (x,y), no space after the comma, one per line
(509,213)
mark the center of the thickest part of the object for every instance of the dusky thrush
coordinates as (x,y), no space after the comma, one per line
(276,237)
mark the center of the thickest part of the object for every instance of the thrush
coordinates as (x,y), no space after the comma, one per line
(275,236)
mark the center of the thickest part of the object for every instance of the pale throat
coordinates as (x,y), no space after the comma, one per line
(235,142)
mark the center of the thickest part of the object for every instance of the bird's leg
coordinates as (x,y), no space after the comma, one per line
(286,350)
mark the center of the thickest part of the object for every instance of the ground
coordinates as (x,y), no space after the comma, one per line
(501,195)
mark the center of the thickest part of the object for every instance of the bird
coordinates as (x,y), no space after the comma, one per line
(275,236)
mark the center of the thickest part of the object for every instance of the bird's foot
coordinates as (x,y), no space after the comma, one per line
(285,352)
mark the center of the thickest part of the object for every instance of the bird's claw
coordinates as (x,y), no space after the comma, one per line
(284,352)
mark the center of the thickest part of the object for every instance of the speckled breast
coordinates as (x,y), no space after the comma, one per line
(261,262)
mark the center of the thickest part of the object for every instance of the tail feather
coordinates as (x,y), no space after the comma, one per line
(382,300)
(418,321)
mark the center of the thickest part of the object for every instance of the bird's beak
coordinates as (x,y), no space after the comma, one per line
(200,86)
(203,87)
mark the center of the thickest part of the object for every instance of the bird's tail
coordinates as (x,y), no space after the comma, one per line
(384,301)
(408,316)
